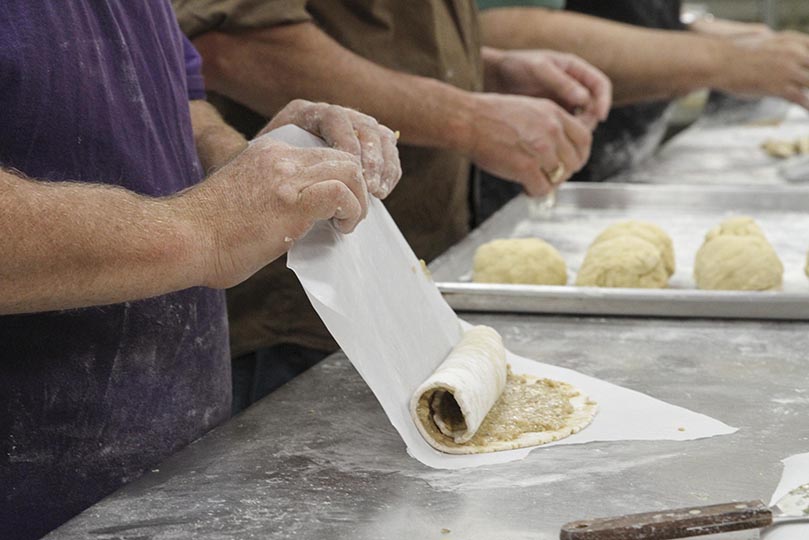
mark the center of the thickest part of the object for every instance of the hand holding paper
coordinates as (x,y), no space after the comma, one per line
(394,326)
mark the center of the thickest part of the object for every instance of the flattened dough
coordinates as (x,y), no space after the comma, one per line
(646,231)
(529,261)
(474,404)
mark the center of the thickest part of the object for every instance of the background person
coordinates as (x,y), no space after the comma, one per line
(651,58)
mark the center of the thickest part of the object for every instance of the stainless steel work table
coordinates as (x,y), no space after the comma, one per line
(319,460)
(724,147)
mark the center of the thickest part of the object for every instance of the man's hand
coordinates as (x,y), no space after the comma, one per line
(565,78)
(350,131)
(253,209)
(768,65)
(527,140)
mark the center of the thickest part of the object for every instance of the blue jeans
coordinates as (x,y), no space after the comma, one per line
(259,373)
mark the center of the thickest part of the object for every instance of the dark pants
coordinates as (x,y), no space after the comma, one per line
(261,372)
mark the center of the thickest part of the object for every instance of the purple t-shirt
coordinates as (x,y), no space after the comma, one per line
(97,91)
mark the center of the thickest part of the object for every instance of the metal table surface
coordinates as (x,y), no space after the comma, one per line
(319,460)
(724,147)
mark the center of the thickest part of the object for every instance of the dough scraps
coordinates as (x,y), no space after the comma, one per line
(786,148)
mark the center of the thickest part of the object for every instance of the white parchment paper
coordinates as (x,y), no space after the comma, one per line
(796,473)
(394,326)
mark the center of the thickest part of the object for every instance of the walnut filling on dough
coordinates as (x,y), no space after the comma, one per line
(441,415)
(527,405)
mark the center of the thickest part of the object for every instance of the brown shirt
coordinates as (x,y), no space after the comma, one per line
(433,38)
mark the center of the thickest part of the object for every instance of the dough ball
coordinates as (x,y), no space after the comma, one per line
(646,231)
(736,226)
(738,263)
(624,261)
(786,148)
(528,261)
(806,268)
(780,148)
(802,143)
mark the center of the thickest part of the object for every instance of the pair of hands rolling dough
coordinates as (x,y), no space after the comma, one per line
(534,123)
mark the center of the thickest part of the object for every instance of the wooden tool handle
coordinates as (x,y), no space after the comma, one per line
(665,525)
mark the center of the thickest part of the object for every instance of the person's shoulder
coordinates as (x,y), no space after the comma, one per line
(199,16)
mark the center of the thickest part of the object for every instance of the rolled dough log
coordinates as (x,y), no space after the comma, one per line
(473,404)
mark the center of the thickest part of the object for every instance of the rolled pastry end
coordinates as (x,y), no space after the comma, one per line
(452,403)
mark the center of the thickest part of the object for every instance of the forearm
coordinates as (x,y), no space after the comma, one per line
(265,69)
(491,57)
(643,64)
(216,142)
(69,245)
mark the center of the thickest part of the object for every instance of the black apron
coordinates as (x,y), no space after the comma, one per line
(633,132)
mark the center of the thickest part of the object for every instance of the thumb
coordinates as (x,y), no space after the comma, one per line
(332,199)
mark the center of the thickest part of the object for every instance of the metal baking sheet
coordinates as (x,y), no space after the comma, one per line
(685,212)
